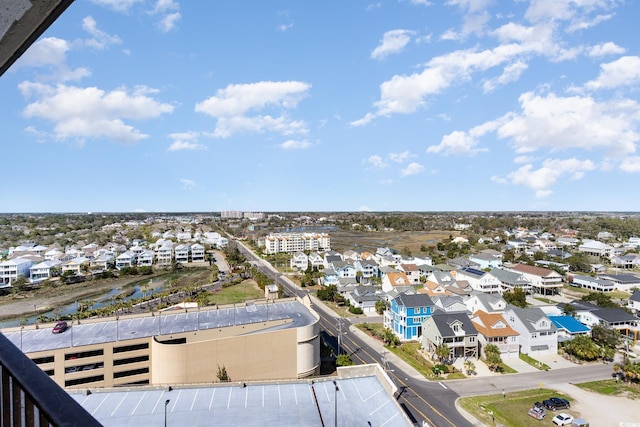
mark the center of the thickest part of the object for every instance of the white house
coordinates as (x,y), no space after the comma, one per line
(315,260)
(394,279)
(164,253)
(299,261)
(11,269)
(538,335)
(125,259)
(43,270)
(596,248)
(494,329)
(412,271)
(197,252)
(182,253)
(145,258)
(75,265)
(480,280)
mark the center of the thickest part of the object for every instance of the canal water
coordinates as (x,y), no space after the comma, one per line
(157,285)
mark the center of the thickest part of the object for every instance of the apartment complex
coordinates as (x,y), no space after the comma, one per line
(295,242)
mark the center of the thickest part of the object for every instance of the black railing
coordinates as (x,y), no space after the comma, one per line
(28,397)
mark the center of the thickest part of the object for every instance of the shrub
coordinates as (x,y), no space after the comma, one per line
(355,310)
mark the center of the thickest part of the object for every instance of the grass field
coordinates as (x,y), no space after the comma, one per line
(613,388)
(493,410)
(369,241)
(241,292)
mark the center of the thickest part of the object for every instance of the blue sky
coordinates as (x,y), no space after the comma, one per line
(398,105)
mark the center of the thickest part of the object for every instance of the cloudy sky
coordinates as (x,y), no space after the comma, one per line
(392,105)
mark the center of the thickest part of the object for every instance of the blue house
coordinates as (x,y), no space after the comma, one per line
(569,327)
(406,314)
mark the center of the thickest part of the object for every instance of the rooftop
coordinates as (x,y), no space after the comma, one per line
(360,401)
(167,322)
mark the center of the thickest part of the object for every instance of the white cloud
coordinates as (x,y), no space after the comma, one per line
(541,180)
(188,183)
(421,2)
(524,159)
(89,112)
(169,22)
(519,44)
(293,144)
(46,51)
(624,71)
(101,40)
(186,141)
(576,12)
(376,161)
(185,145)
(511,73)
(559,123)
(463,143)
(583,24)
(630,164)
(412,168)
(230,105)
(168,10)
(392,42)
(284,27)
(364,208)
(400,157)
(604,49)
(122,6)
(450,35)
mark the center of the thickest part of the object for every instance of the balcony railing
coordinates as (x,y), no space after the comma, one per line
(28,397)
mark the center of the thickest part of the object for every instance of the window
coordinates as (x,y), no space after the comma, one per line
(472,339)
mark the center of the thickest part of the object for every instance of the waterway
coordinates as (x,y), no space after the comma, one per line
(154,284)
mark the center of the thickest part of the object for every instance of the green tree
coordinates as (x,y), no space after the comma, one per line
(381,306)
(21,284)
(583,348)
(516,297)
(605,336)
(390,338)
(493,359)
(443,351)
(469,366)
(568,310)
(344,360)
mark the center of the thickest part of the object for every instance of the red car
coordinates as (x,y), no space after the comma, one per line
(60,327)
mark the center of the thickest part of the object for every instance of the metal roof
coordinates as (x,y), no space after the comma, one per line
(360,402)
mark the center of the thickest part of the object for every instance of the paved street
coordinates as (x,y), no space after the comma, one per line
(423,400)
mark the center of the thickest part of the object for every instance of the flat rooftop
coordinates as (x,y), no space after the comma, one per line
(361,401)
(167,322)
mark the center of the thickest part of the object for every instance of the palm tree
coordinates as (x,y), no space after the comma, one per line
(469,366)
(442,351)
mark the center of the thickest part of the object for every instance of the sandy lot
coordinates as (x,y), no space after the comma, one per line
(601,410)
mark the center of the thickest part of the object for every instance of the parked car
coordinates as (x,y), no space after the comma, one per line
(562,419)
(555,403)
(537,412)
(561,403)
(60,327)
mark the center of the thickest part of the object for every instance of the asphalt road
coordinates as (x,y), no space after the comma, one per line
(424,400)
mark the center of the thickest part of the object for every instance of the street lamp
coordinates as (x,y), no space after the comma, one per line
(335,412)
(166,403)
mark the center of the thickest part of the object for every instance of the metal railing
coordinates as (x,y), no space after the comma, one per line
(28,397)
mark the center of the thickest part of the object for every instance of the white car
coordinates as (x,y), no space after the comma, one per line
(562,419)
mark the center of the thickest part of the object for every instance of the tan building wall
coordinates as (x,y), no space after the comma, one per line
(248,352)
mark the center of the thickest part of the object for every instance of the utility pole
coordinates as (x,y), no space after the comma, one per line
(340,333)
